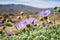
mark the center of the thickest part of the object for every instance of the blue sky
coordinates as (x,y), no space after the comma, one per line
(34,3)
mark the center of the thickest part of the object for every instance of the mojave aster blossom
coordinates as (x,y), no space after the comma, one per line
(17,25)
(35,22)
(30,20)
(20,24)
(44,13)
(1,24)
(9,31)
(47,11)
(24,22)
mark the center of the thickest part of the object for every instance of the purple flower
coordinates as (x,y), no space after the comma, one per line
(9,31)
(44,13)
(17,25)
(35,22)
(47,11)
(20,24)
(1,25)
(30,20)
(24,22)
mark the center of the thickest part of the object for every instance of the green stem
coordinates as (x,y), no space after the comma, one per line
(54,17)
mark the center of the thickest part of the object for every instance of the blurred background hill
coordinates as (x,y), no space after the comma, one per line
(17,8)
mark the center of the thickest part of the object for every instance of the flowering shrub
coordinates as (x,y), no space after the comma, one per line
(27,29)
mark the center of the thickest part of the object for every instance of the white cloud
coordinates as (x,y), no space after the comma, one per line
(41,4)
